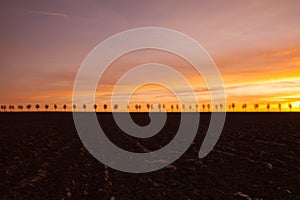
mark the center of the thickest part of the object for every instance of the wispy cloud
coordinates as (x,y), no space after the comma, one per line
(48,13)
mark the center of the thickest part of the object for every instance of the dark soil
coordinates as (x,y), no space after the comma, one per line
(256,157)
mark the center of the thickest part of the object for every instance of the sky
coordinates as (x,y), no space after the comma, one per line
(255,44)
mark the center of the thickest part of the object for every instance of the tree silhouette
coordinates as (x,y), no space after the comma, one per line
(164,107)
(229,107)
(137,107)
(244,107)
(221,107)
(115,106)
(84,107)
(190,107)
(268,107)
(140,107)
(208,107)
(151,106)
(46,107)
(290,107)
(279,107)
(177,107)
(20,107)
(196,106)
(183,107)
(172,107)
(105,107)
(256,106)
(95,107)
(74,107)
(65,107)
(159,107)
(55,107)
(11,107)
(28,107)
(148,106)
(233,106)
(203,107)
(216,107)
(37,106)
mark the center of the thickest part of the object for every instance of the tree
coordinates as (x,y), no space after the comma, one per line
(177,107)
(74,107)
(84,107)
(233,106)
(244,106)
(229,107)
(216,107)
(20,107)
(105,107)
(11,107)
(183,107)
(172,107)
(95,107)
(164,107)
(279,107)
(256,106)
(290,107)
(115,106)
(148,106)
(28,107)
(208,107)
(196,106)
(55,107)
(65,107)
(203,107)
(140,107)
(137,107)
(221,106)
(268,107)
(37,106)
(159,107)
(46,107)
(190,107)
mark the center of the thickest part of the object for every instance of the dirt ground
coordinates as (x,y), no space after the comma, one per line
(256,157)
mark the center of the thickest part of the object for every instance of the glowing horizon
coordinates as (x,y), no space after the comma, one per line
(256,47)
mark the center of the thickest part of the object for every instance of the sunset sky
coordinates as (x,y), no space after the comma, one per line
(255,44)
